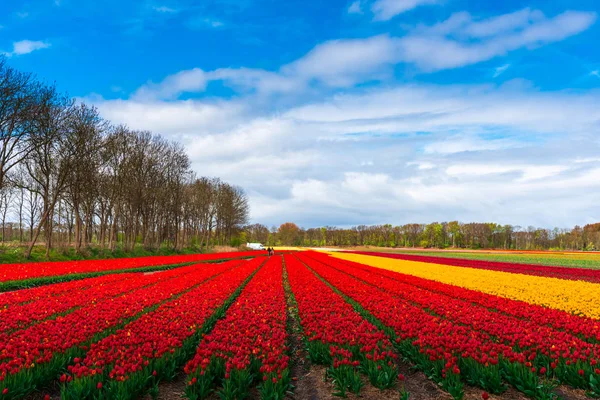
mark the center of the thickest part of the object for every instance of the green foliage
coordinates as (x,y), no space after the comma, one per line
(519,258)
(345,378)
(14,254)
(382,376)
(235,242)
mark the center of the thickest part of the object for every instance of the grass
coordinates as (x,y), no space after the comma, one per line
(14,253)
(550,259)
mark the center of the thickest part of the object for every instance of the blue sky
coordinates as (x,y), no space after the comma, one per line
(346,112)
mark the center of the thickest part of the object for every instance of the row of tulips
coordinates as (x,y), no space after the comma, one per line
(248,346)
(449,353)
(24,296)
(30,358)
(583,327)
(557,353)
(56,303)
(29,274)
(584,274)
(337,336)
(575,297)
(155,346)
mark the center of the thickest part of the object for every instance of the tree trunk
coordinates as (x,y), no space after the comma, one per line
(38,230)
(48,231)
(77,229)
(113,231)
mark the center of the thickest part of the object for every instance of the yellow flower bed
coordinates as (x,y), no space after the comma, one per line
(577,297)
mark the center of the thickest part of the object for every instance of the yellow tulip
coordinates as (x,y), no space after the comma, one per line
(576,297)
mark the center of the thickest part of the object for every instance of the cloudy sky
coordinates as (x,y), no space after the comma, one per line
(347,112)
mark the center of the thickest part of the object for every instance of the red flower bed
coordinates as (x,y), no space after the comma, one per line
(338,336)
(581,274)
(583,327)
(18,272)
(249,344)
(31,357)
(43,306)
(454,341)
(556,349)
(24,296)
(157,344)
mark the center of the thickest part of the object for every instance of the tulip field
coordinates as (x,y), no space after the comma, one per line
(17,276)
(244,325)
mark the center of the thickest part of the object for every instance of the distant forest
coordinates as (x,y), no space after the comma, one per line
(70,179)
(452,234)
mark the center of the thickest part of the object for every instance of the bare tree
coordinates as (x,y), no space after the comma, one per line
(80,180)
(50,161)
(6,196)
(17,109)
(85,130)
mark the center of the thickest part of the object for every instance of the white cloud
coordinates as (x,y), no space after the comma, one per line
(463,167)
(362,183)
(26,46)
(201,22)
(252,137)
(587,160)
(355,8)
(449,44)
(391,153)
(595,73)
(164,9)
(454,43)
(422,165)
(178,120)
(387,9)
(382,198)
(193,80)
(500,70)
(504,23)
(215,23)
(337,63)
(260,80)
(345,62)
(484,192)
(461,144)
(449,109)
(527,172)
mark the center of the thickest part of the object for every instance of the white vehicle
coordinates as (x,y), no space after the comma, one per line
(255,246)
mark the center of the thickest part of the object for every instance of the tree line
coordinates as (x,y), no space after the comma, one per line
(452,234)
(68,177)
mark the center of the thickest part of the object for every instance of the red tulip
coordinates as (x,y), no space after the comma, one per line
(461,322)
(16,272)
(254,329)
